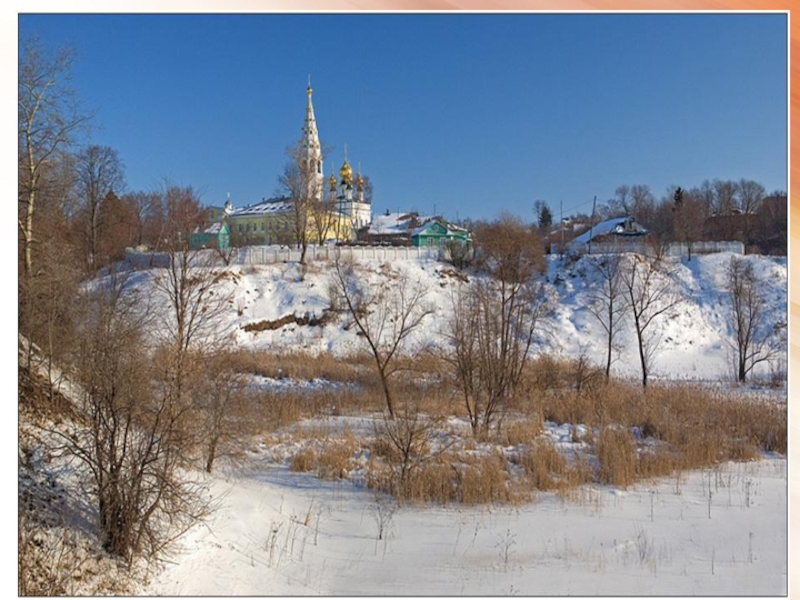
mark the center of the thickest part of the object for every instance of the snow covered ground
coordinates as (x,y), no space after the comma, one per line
(717,532)
(721,531)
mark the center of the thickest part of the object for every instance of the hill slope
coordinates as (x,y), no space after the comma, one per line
(694,341)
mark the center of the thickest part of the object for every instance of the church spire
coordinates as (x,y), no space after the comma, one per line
(310,147)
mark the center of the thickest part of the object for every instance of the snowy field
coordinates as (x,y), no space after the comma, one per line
(721,531)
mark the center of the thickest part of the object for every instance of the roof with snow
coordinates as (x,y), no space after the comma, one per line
(395,223)
(450,229)
(272,205)
(215,228)
(623,226)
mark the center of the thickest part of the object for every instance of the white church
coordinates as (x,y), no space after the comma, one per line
(268,221)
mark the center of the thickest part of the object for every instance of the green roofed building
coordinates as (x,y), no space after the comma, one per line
(215,235)
(438,232)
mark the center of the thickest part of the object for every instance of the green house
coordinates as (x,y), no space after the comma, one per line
(215,235)
(438,233)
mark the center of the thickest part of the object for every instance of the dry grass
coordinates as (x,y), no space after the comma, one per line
(333,459)
(616,456)
(633,433)
(303,366)
(453,478)
(548,469)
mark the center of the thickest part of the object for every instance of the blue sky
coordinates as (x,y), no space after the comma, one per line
(467,115)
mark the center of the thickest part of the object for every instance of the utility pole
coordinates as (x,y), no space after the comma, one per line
(591,225)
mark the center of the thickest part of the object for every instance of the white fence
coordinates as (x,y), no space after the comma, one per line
(266,255)
(674,249)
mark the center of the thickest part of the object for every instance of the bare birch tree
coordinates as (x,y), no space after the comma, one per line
(651,295)
(607,302)
(48,117)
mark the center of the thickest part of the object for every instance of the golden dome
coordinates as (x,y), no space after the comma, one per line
(332,181)
(346,172)
(359,182)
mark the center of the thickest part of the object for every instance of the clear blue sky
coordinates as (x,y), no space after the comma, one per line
(467,114)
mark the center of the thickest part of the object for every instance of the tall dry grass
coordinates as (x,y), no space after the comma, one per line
(633,433)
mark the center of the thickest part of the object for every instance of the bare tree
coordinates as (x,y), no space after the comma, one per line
(99,173)
(385,317)
(621,203)
(224,401)
(192,326)
(490,336)
(495,320)
(724,196)
(132,435)
(755,339)
(48,117)
(651,295)
(608,303)
(323,217)
(750,194)
(687,218)
(301,183)
(642,203)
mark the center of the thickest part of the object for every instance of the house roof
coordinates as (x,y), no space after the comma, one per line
(394,223)
(272,205)
(215,228)
(616,226)
(449,228)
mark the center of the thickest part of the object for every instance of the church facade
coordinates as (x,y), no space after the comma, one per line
(332,212)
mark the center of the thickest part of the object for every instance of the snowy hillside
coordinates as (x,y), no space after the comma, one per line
(694,341)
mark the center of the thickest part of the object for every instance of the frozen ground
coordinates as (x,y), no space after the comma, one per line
(717,532)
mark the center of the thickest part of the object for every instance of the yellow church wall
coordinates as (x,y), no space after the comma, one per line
(278,228)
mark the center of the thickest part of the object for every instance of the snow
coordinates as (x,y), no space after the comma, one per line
(611,225)
(720,531)
(695,340)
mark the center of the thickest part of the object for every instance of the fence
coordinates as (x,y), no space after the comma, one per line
(674,249)
(266,255)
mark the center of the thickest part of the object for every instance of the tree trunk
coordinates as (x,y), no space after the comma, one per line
(212,453)
(386,394)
